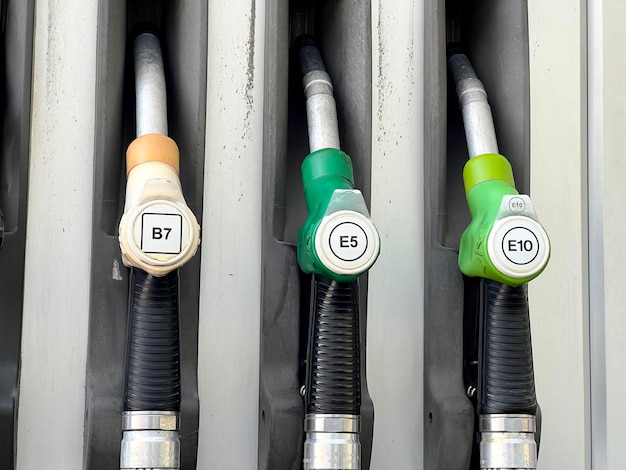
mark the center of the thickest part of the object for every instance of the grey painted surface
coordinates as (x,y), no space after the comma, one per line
(58,247)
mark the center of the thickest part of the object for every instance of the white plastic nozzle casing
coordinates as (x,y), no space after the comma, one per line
(347,242)
(158,232)
(518,245)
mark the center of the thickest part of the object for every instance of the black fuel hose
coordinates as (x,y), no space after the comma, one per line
(153,357)
(506,375)
(333,378)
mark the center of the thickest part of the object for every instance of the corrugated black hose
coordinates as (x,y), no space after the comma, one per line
(506,375)
(153,357)
(333,378)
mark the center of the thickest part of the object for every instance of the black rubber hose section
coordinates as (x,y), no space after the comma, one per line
(333,378)
(153,358)
(308,54)
(507,379)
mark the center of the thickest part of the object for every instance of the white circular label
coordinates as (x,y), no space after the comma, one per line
(347,242)
(518,246)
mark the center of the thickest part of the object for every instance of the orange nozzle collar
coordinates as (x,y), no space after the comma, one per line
(152,148)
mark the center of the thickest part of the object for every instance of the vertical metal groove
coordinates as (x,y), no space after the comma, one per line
(595,233)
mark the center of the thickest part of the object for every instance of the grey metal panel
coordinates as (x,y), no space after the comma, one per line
(56,271)
(183,29)
(229,325)
(16,42)
(558,298)
(396,292)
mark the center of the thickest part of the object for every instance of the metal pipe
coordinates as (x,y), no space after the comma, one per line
(321,109)
(151,96)
(477,119)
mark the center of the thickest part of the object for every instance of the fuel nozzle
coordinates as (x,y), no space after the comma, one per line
(505,241)
(158,232)
(338,240)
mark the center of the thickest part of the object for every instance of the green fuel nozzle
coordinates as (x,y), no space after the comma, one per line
(338,239)
(505,241)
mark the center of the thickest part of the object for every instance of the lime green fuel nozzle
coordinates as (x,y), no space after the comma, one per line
(505,241)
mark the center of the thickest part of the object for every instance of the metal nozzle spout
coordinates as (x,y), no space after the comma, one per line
(479,128)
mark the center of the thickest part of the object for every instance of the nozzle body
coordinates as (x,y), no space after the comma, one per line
(504,241)
(338,239)
(158,232)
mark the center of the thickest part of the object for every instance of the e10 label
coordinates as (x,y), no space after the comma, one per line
(520,245)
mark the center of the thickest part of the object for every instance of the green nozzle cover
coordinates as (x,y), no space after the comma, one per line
(487,167)
(323,172)
(327,163)
(488,178)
